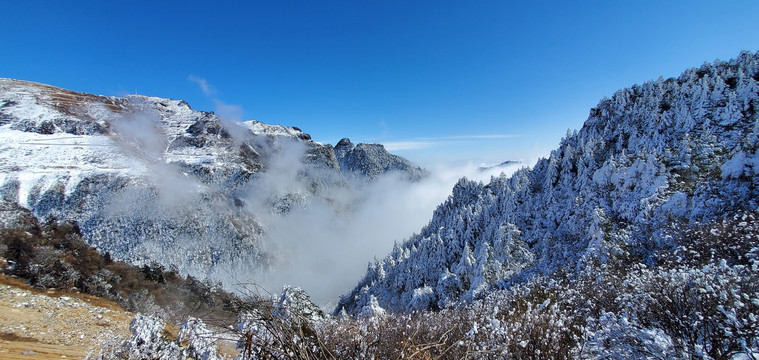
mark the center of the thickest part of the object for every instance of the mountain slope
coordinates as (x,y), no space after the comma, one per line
(678,149)
(150,179)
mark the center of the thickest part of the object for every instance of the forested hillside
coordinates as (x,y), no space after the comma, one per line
(679,150)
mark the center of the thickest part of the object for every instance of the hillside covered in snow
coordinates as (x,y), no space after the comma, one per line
(149,179)
(680,150)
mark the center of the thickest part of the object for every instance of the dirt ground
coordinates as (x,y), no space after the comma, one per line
(50,324)
(53,324)
(13,350)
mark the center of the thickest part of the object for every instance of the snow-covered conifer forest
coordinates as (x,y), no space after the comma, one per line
(636,237)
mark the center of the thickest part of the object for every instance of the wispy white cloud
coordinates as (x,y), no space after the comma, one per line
(472,137)
(228,112)
(407,145)
(429,142)
(207,88)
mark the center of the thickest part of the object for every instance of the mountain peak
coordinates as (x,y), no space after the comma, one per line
(344,143)
(373,160)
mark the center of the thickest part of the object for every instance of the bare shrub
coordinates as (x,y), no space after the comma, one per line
(267,331)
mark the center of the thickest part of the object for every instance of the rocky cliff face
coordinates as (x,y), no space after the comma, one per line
(372,160)
(679,150)
(150,179)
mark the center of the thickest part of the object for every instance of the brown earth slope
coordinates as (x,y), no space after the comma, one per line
(39,324)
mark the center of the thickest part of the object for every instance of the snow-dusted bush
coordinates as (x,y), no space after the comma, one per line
(618,338)
(372,309)
(529,323)
(49,271)
(269,329)
(695,294)
(201,343)
(143,302)
(418,335)
(422,299)
(100,284)
(147,342)
(295,304)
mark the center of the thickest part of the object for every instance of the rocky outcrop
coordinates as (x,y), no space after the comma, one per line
(372,160)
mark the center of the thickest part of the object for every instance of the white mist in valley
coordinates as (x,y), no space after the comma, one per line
(319,230)
(325,245)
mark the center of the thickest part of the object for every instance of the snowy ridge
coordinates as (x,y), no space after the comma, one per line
(260,128)
(149,179)
(679,149)
(373,160)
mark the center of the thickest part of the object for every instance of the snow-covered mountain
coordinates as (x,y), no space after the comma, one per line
(150,179)
(503,165)
(678,150)
(373,160)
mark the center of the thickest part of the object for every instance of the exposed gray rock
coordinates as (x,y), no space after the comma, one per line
(372,160)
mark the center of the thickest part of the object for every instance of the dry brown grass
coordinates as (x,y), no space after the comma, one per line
(26,350)
(15,337)
(66,100)
(90,299)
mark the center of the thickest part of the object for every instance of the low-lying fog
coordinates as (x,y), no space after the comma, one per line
(326,252)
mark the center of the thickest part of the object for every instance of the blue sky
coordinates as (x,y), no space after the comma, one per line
(434,80)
